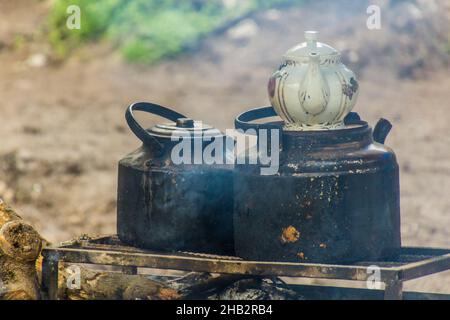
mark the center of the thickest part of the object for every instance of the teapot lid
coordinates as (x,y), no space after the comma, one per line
(301,51)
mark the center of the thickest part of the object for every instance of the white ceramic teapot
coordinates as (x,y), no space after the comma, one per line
(312,89)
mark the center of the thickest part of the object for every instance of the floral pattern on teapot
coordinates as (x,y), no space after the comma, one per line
(312,89)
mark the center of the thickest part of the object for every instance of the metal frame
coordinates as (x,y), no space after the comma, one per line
(412,263)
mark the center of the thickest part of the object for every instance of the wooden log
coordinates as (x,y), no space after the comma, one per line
(20,246)
(80,283)
(107,285)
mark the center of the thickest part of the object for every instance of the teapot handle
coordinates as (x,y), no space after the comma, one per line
(152,108)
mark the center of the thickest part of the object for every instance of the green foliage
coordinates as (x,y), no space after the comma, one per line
(146,30)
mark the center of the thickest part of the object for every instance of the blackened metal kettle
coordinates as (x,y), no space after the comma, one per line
(168,198)
(334,199)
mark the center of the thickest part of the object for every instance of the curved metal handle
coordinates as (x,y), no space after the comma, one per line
(243,121)
(352,117)
(381,130)
(152,108)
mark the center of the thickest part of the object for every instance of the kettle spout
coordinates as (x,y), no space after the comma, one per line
(381,130)
(314,91)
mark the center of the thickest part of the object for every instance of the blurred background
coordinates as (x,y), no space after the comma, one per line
(64,91)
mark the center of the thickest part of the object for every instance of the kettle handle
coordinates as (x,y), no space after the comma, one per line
(243,121)
(152,108)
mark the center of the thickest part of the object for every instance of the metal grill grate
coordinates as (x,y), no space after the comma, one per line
(412,263)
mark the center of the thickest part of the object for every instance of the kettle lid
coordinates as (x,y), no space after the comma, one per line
(185,127)
(302,51)
(180,127)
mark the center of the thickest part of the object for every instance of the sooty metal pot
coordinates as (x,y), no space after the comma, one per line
(169,206)
(334,199)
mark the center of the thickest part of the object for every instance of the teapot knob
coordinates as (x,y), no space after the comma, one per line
(311,39)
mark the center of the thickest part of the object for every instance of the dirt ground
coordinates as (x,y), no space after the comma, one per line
(63,129)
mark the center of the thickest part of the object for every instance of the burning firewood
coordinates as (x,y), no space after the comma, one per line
(20,246)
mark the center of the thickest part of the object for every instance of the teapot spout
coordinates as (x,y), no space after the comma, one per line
(314,91)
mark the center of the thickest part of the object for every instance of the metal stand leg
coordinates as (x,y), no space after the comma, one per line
(50,279)
(393,290)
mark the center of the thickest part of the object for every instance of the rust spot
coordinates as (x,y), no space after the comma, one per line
(289,235)
(301,255)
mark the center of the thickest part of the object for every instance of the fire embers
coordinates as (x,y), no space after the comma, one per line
(290,235)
